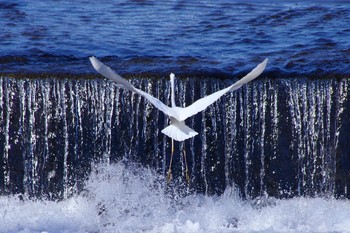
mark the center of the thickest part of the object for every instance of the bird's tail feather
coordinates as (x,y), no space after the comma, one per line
(179,131)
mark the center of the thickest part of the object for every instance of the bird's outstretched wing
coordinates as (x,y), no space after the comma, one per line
(203,103)
(110,74)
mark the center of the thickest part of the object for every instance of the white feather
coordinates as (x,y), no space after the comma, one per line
(177,130)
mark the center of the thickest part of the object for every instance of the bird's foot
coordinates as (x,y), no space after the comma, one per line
(169,176)
(187,176)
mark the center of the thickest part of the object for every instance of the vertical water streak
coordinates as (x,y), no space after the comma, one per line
(127,105)
(109,117)
(341,96)
(296,125)
(304,156)
(71,124)
(273,141)
(105,112)
(76,108)
(300,139)
(181,103)
(89,108)
(213,117)
(218,141)
(311,135)
(256,140)
(191,92)
(27,131)
(154,125)
(116,125)
(275,117)
(203,91)
(94,119)
(232,131)
(101,119)
(329,161)
(116,105)
(33,107)
(227,135)
(166,98)
(46,105)
(100,114)
(262,124)
(211,140)
(137,109)
(7,99)
(320,116)
(149,120)
(24,95)
(145,131)
(247,124)
(63,116)
(75,93)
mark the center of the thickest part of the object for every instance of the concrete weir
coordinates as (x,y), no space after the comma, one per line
(278,137)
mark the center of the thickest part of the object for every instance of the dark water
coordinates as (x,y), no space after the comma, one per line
(221,37)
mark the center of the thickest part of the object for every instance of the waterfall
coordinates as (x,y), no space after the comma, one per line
(278,137)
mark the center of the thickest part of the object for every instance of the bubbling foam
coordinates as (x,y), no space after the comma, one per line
(128,198)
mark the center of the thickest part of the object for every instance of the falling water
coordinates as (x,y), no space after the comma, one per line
(277,137)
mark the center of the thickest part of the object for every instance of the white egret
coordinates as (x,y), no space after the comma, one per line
(177,130)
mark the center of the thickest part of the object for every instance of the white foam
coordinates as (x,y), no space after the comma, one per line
(129,199)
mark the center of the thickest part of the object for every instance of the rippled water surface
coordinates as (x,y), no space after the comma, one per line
(221,37)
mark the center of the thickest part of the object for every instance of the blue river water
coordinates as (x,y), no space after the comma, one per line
(219,38)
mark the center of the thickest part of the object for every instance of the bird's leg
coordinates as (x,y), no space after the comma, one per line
(186,167)
(169,174)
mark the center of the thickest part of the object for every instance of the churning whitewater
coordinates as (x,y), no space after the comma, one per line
(129,198)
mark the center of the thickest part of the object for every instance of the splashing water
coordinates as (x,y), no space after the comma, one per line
(120,198)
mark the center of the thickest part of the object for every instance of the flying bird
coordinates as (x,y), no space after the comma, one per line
(177,130)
